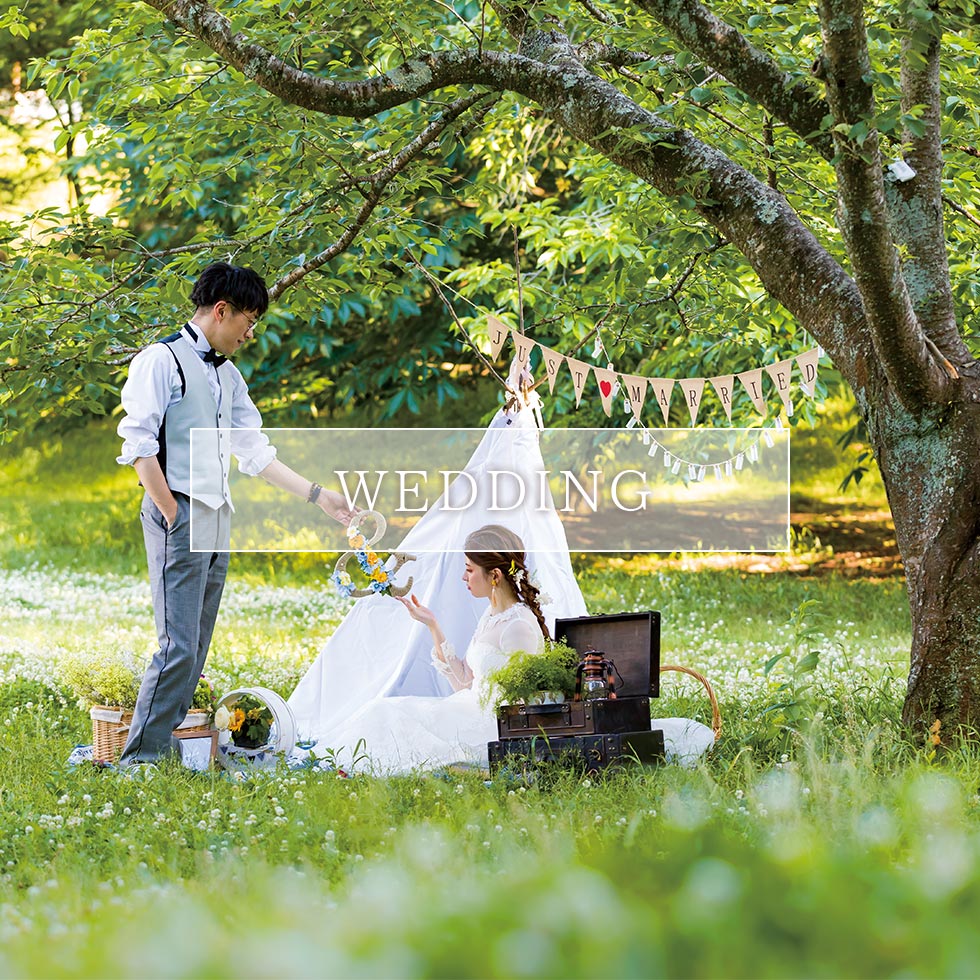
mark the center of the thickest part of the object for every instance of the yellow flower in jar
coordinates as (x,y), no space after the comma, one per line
(237,717)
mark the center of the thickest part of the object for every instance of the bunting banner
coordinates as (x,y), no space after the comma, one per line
(808,369)
(522,349)
(552,362)
(636,392)
(662,389)
(752,383)
(498,333)
(693,389)
(580,373)
(636,389)
(723,389)
(608,387)
(780,373)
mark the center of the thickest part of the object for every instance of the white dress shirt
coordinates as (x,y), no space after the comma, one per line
(154,385)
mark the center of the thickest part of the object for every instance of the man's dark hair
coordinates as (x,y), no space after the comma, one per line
(243,288)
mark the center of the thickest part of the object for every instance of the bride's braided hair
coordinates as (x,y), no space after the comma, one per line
(495,546)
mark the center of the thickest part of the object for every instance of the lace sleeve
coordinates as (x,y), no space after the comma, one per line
(451,667)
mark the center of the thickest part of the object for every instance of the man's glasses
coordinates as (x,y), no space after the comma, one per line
(251,323)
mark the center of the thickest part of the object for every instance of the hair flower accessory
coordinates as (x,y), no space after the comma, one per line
(543,598)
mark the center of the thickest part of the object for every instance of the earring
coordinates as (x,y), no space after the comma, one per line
(493,592)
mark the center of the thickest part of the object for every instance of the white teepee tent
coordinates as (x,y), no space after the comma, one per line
(379,651)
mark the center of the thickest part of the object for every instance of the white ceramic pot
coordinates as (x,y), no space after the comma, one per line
(282,734)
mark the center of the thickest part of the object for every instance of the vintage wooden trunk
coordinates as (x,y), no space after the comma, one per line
(632,642)
(593,753)
(574,717)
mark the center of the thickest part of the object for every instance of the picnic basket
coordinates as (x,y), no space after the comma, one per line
(110,729)
(715,710)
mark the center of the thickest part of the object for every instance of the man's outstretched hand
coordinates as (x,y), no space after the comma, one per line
(334,505)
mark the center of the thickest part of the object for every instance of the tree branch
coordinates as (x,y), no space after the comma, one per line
(916,205)
(597,53)
(379,182)
(899,341)
(597,12)
(360,99)
(791,100)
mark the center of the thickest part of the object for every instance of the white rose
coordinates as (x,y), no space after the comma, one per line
(221,718)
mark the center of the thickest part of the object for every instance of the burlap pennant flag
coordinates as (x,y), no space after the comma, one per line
(662,389)
(607,387)
(552,362)
(807,362)
(522,349)
(580,374)
(782,373)
(724,388)
(636,392)
(693,389)
(498,333)
(752,382)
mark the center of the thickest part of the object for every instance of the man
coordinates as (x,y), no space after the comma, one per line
(184,382)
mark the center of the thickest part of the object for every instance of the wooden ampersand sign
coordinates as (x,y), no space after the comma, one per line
(371,563)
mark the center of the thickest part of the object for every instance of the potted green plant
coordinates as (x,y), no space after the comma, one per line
(533,678)
(107,685)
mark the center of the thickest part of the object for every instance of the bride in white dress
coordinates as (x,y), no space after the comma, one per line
(396,734)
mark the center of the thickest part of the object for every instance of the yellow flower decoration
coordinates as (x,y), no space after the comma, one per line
(357,541)
(371,557)
(237,717)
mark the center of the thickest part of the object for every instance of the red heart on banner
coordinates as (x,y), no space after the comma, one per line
(605,387)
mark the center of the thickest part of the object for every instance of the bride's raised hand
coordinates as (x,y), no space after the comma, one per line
(418,612)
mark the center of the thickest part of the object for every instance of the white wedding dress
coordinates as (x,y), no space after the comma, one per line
(379,654)
(396,734)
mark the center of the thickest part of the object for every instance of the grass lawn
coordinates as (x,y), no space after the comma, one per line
(816,840)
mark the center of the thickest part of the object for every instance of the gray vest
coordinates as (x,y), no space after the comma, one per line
(208,481)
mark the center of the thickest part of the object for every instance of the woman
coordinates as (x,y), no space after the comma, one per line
(400,733)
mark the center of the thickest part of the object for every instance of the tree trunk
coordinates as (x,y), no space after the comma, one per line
(932,475)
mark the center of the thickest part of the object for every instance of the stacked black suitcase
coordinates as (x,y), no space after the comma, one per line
(600,733)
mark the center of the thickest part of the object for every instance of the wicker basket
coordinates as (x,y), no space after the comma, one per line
(110,729)
(715,710)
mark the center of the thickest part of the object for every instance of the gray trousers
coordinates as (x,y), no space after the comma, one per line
(186,590)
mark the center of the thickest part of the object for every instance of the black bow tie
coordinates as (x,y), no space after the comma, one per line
(213,357)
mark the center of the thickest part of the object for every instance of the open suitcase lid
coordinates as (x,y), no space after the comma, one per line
(630,640)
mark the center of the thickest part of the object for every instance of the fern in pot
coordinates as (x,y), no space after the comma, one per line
(533,678)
